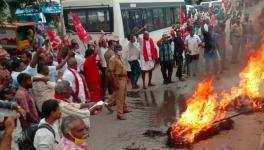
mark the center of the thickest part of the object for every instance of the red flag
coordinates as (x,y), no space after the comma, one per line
(183,23)
(53,38)
(182,14)
(83,36)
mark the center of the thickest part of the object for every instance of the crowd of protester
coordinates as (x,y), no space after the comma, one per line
(54,90)
(57,89)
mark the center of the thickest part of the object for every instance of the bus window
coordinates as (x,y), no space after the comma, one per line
(149,21)
(155,18)
(82,18)
(126,25)
(169,16)
(176,12)
(92,19)
(162,17)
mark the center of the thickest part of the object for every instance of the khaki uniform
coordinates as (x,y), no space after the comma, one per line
(236,32)
(117,66)
(108,54)
(247,34)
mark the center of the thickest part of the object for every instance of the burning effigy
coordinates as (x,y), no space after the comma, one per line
(198,119)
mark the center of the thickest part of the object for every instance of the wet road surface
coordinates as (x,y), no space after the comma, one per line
(161,108)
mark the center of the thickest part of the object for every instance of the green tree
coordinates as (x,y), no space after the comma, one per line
(4,11)
(9,7)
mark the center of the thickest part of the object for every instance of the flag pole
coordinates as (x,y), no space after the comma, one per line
(85,46)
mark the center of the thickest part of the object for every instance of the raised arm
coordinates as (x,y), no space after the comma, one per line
(140,31)
(69,55)
(35,58)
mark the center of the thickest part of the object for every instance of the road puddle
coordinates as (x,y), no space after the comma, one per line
(161,108)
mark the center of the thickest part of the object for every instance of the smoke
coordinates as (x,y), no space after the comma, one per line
(258,25)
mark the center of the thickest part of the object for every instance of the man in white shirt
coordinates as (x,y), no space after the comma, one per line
(47,138)
(76,81)
(48,59)
(133,59)
(101,53)
(78,55)
(192,43)
(42,90)
(63,94)
(19,67)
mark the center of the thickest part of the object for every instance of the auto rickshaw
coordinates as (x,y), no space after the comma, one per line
(15,35)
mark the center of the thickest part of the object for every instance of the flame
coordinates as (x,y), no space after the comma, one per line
(205,107)
(200,114)
(252,77)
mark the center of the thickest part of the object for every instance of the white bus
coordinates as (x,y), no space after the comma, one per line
(118,17)
(211,3)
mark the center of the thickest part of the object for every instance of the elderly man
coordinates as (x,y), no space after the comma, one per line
(75,134)
(76,81)
(148,56)
(63,92)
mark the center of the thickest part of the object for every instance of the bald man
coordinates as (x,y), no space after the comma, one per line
(148,56)
(77,82)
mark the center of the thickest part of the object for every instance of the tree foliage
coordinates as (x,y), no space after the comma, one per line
(4,14)
(9,7)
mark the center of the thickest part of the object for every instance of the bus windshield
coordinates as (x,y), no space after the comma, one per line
(92,19)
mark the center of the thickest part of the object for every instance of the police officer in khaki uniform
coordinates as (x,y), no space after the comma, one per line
(108,54)
(118,74)
(236,32)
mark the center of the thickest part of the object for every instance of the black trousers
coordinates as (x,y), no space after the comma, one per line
(179,61)
(166,70)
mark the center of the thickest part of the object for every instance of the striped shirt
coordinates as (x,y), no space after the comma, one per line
(165,52)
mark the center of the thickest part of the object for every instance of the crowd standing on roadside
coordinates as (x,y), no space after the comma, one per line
(54,90)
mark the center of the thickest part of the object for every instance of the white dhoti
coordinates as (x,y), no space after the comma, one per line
(146,65)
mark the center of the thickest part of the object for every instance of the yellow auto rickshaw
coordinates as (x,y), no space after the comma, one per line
(16,35)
